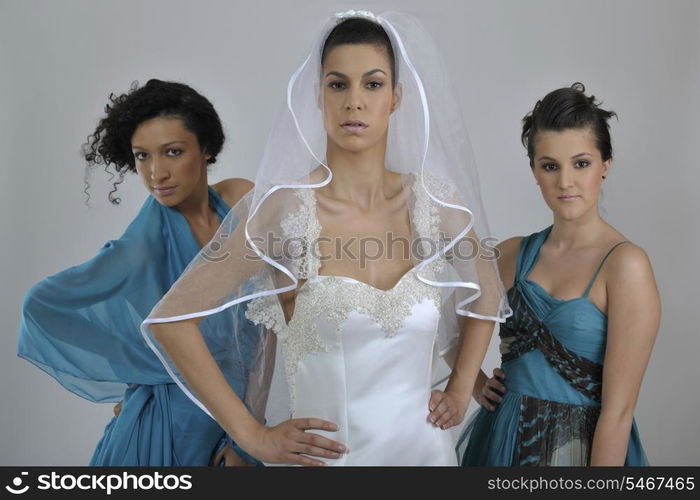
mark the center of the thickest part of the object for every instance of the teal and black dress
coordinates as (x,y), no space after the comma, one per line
(552,351)
(81,326)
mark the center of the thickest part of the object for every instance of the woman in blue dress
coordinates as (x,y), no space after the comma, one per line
(81,325)
(585,312)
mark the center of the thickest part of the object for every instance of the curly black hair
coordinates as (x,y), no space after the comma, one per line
(110,143)
(568,108)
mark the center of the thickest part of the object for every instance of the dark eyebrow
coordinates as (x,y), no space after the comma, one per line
(545,158)
(163,146)
(581,154)
(372,71)
(368,73)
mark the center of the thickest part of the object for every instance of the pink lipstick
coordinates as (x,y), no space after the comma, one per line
(164,190)
(353,126)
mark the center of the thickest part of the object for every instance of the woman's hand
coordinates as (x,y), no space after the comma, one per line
(118,407)
(229,458)
(446,409)
(493,390)
(288,442)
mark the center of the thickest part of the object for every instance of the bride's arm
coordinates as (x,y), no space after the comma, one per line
(284,443)
(183,342)
(219,275)
(448,407)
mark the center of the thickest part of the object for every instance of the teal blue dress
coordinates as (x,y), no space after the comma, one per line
(552,351)
(81,326)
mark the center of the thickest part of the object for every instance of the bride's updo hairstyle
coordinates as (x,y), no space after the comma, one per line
(359,31)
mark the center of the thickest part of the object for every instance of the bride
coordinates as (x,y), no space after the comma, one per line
(363,251)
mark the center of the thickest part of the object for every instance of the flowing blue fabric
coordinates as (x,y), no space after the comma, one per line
(81,326)
(557,407)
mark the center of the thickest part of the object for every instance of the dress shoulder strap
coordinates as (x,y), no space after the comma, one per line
(529,252)
(600,266)
(217,203)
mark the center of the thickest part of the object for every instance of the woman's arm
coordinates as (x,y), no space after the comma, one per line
(484,391)
(183,342)
(488,391)
(284,443)
(634,311)
(507,255)
(449,407)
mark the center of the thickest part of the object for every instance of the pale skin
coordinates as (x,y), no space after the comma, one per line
(168,155)
(363,199)
(569,163)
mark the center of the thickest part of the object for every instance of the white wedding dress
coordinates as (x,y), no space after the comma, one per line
(363,358)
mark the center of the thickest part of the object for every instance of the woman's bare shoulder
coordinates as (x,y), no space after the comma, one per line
(629,261)
(510,247)
(507,254)
(232,190)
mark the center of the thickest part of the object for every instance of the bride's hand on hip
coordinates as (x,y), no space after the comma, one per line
(288,442)
(446,409)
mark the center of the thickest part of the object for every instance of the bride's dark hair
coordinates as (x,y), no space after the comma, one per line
(110,143)
(359,31)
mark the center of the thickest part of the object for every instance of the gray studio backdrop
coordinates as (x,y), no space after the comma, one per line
(60,60)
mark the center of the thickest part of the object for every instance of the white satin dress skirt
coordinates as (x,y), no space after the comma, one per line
(362,357)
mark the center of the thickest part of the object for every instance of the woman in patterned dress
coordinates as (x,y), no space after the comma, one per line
(585,311)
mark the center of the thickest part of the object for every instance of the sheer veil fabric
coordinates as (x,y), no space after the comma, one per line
(269,252)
